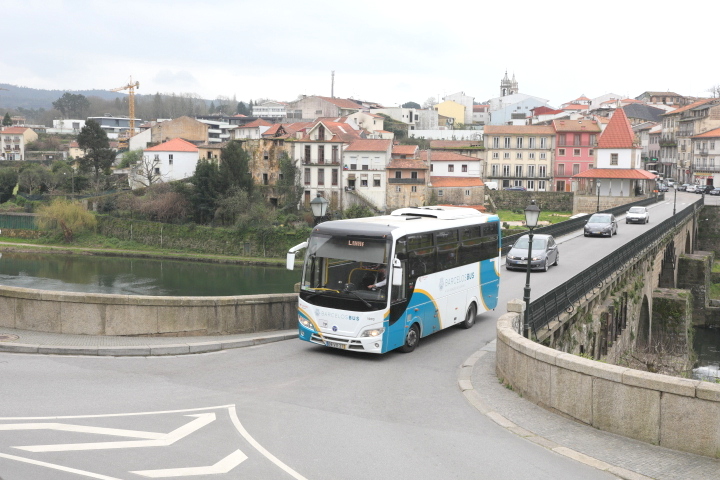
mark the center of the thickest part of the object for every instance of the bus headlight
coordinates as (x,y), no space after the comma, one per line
(305,322)
(373,332)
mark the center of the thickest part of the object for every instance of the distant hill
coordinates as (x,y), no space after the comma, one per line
(34,98)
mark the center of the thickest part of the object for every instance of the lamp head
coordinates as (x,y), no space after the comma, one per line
(319,206)
(532,213)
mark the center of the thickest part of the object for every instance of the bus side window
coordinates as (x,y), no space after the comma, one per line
(422,262)
(447,246)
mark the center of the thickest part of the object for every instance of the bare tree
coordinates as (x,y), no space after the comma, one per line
(147,171)
(714,91)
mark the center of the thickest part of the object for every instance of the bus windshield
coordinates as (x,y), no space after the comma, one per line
(346,272)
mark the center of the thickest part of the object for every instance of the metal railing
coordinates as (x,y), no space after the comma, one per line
(563,298)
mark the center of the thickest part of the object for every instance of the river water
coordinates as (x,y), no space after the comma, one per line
(141,276)
(706,344)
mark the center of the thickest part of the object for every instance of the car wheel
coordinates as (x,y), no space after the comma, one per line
(546,265)
(626,222)
(557,259)
(469,317)
(412,338)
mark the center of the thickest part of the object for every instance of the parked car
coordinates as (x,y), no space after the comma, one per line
(691,188)
(544,253)
(637,215)
(703,188)
(662,187)
(516,188)
(683,187)
(601,224)
(714,191)
(670,182)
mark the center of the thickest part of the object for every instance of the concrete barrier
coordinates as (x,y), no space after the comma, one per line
(676,413)
(135,315)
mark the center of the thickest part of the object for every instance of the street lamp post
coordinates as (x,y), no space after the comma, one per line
(319,207)
(532,213)
(598,189)
(674,198)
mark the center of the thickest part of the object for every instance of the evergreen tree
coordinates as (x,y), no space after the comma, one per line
(98,155)
(7,121)
(235,168)
(289,188)
(205,193)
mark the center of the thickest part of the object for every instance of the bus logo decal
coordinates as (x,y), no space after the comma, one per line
(334,328)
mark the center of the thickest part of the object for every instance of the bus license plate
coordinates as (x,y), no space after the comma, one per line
(336,345)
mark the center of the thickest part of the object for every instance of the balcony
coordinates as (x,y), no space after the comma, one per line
(702,152)
(706,168)
(406,181)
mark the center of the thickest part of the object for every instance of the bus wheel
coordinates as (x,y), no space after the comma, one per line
(469,317)
(412,338)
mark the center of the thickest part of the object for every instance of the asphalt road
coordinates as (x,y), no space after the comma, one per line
(281,410)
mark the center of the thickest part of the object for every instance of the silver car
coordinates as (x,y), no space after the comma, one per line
(601,224)
(637,215)
(544,253)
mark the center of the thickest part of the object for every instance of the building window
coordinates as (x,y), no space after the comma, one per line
(413,188)
(307,176)
(307,154)
(506,170)
(576,168)
(157,171)
(561,170)
(591,152)
(496,142)
(353,166)
(506,155)
(170,159)
(432,169)
(507,142)
(543,142)
(451,168)
(464,168)
(542,171)
(613,159)
(397,189)
(365,167)
(576,152)
(321,176)
(518,156)
(398,174)
(561,152)
(440,193)
(467,193)
(541,185)
(376,182)
(494,170)
(518,170)
(495,156)
(531,156)
(531,142)
(561,139)
(531,171)
(335,154)
(363,182)
(576,140)
(334,179)
(542,156)
(519,142)
(414,175)
(531,184)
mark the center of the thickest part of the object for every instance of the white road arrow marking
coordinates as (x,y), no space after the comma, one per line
(68,427)
(156,440)
(53,466)
(223,466)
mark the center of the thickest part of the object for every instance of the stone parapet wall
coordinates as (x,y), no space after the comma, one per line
(676,413)
(547,201)
(134,315)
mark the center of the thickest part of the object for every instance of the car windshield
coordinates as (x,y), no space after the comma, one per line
(599,219)
(637,210)
(538,243)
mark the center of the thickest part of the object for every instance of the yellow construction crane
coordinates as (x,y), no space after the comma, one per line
(130,87)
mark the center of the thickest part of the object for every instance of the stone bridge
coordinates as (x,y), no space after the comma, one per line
(637,319)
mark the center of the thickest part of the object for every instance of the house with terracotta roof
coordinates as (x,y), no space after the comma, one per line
(254,129)
(451,164)
(574,150)
(520,156)
(706,158)
(618,177)
(457,190)
(679,126)
(405,152)
(13,141)
(663,98)
(407,183)
(172,160)
(364,174)
(309,108)
(319,153)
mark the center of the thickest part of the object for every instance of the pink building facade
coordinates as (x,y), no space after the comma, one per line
(575,145)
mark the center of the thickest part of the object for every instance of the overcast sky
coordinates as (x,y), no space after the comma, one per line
(388,51)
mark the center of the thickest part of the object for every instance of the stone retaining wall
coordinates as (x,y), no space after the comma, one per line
(134,315)
(676,413)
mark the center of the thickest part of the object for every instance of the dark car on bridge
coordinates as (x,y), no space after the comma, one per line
(703,188)
(544,253)
(601,224)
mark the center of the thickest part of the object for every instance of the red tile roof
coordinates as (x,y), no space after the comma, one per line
(618,133)
(456,182)
(405,149)
(15,130)
(445,156)
(711,134)
(545,111)
(576,126)
(364,145)
(174,145)
(633,174)
(576,106)
(342,102)
(691,106)
(256,123)
(407,164)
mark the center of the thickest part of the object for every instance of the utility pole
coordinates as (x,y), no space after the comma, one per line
(332,84)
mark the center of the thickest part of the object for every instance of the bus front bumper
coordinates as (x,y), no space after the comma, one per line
(355,344)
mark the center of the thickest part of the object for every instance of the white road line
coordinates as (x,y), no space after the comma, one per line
(107,415)
(57,467)
(223,466)
(165,440)
(66,427)
(260,448)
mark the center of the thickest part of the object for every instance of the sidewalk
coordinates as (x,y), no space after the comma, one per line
(24,341)
(621,456)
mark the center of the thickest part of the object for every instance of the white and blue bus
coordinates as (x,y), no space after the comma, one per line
(380,283)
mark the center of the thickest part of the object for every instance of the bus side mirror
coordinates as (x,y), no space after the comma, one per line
(397,278)
(290,262)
